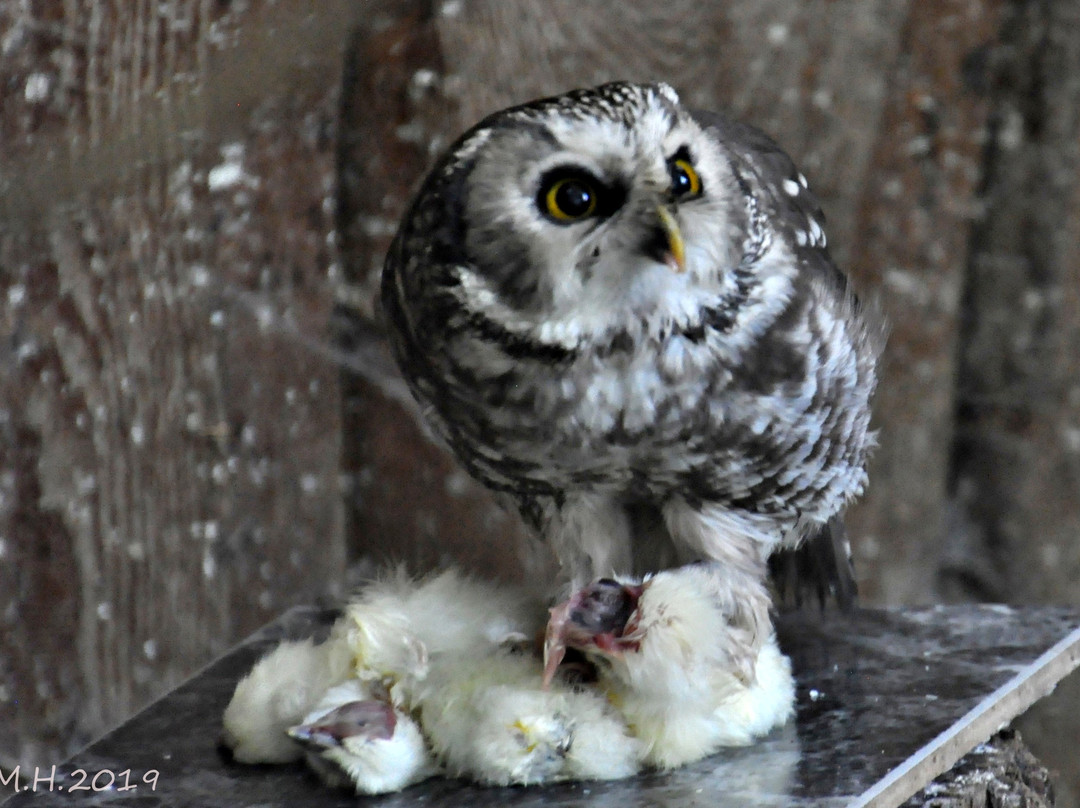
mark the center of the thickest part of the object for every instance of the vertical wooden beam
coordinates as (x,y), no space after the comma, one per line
(1017,462)
(917,204)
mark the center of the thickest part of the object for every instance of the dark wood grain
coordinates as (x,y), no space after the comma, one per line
(170,419)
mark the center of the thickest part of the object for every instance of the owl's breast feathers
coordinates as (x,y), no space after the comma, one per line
(781,427)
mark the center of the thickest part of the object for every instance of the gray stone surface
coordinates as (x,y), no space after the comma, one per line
(888,699)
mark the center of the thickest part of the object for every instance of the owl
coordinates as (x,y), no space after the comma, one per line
(621,316)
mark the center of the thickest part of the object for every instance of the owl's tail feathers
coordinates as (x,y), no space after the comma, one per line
(820,566)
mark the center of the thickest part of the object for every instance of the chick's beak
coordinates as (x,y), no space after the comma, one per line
(370,719)
(600,616)
(670,246)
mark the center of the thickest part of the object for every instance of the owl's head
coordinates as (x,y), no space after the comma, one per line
(571,215)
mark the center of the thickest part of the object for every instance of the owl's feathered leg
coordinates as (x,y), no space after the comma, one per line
(734,548)
(662,649)
(591,535)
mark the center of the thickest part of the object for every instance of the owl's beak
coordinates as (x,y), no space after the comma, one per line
(673,251)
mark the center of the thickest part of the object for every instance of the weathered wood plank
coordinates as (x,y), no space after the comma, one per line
(1001,773)
(1018,447)
(1016,471)
(917,203)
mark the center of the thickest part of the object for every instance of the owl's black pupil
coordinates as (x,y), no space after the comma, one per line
(680,181)
(574,198)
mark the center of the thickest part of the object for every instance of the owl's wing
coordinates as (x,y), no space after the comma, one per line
(750,145)
(767,169)
(821,565)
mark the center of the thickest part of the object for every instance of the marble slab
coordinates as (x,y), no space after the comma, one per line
(887,700)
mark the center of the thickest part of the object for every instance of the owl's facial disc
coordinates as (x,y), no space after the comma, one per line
(575,224)
(571,194)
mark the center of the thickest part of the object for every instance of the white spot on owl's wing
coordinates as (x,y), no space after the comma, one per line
(668,92)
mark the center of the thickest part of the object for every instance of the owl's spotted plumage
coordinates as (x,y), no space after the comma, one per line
(622,315)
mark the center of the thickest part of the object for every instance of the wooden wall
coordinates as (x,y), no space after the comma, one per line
(169,411)
(200,425)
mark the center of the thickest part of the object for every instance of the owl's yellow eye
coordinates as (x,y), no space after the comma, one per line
(685,181)
(569,199)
